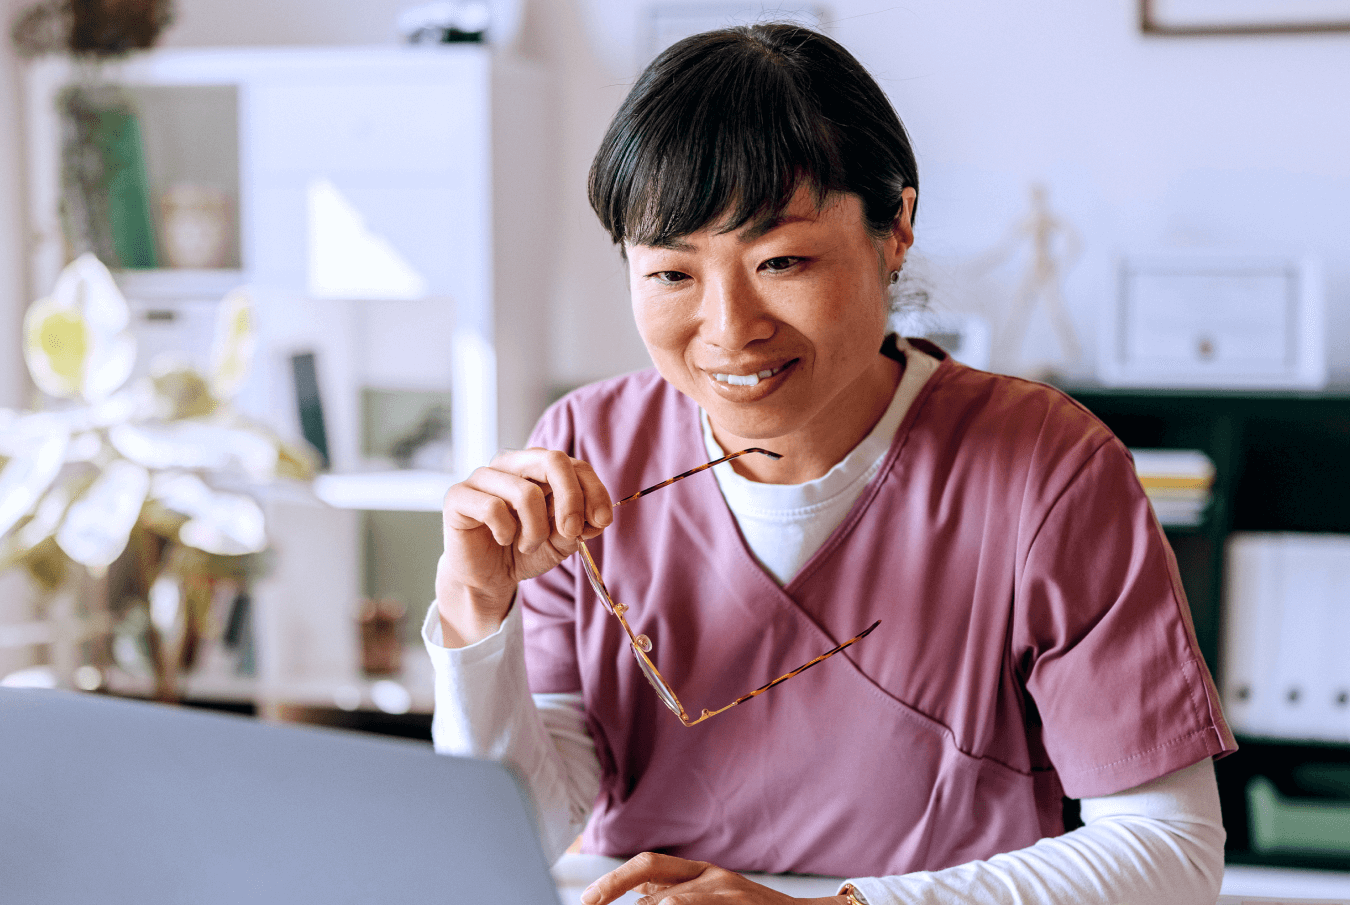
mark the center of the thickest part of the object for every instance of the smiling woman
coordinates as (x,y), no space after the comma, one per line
(774,330)
(992,533)
(762,230)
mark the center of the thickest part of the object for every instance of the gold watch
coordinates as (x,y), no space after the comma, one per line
(852,893)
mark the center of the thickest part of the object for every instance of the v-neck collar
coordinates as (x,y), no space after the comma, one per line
(745,561)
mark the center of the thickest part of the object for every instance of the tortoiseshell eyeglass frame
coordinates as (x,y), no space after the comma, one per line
(642,645)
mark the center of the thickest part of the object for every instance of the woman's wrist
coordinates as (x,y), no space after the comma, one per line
(467,617)
(849,895)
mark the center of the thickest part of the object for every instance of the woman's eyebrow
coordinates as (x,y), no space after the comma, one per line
(759,230)
(747,234)
(671,243)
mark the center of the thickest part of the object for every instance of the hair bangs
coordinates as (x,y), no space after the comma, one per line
(733,150)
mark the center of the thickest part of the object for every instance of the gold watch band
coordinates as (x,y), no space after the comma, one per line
(852,894)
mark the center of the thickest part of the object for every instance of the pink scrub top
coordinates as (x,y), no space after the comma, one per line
(1035,641)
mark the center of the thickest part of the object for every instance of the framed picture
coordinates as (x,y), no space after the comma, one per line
(1243,17)
(1215,320)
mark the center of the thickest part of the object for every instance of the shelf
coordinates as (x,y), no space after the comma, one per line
(1335,392)
(407,692)
(170,284)
(1279,458)
(1278,761)
(1188,528)
(396,491)
(25,634)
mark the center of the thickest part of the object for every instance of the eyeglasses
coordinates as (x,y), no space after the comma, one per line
(642,645)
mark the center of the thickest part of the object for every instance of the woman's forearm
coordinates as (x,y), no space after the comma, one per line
(1161,843)
(484,709)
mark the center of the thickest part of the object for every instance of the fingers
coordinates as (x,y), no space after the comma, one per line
(580,500)
(524,496)
(513,508)
(580,504)
(647,873)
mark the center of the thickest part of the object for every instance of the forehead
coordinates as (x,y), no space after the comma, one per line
(805,207)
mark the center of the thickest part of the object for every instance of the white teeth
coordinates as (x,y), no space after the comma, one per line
(747,380)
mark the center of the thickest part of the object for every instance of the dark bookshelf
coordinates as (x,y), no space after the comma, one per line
(1282,463)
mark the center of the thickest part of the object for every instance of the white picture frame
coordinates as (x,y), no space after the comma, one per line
(1238,17)
(1215,320)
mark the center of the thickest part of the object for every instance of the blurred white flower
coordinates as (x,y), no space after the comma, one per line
(98,523)
(227,524)
(83,474)
(78,341)
(36,449)
(232,350)
(196,445)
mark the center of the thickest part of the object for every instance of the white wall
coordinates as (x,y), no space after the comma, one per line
(1143,142)
(13,290)
(14,593)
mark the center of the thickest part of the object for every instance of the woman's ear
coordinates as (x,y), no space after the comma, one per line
(902,229)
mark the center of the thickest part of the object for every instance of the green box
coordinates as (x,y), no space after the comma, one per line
(1282,823)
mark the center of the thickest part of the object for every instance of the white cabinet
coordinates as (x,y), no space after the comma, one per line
(388,206)
(388,216)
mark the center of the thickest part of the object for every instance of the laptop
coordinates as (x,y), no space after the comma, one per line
(115,801)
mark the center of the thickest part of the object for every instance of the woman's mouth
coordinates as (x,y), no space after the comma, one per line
(747,380)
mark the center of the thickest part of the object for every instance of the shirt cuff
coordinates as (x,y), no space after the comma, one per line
(434,639)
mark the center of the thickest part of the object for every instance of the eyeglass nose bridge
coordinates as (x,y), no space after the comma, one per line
(638,640)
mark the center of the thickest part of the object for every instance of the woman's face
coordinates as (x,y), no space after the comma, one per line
(775,333)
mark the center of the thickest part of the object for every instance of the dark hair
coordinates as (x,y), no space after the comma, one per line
(730,123)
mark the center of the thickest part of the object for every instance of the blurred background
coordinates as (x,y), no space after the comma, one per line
(1147,203)
(1143,141)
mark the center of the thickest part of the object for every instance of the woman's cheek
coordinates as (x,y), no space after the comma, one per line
(664,328)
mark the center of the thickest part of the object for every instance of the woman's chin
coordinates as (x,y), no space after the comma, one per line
(744,425)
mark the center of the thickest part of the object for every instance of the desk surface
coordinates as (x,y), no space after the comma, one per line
(1241,885)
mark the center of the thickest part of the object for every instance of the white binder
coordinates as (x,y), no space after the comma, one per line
(1285,666)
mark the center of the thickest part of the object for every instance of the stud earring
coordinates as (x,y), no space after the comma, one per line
(895,277)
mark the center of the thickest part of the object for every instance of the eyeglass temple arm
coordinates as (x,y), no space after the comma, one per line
(783,678)
(696,470)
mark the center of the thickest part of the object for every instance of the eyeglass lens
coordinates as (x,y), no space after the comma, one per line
(663,691)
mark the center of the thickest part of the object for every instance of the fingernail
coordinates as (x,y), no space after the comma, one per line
(591,895)
(601,517)
(572,526)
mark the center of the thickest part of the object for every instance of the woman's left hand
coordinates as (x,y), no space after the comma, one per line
(663,877)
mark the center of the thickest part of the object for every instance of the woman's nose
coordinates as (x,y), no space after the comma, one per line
(734,316)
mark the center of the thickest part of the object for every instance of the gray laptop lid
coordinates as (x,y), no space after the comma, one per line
(113,801)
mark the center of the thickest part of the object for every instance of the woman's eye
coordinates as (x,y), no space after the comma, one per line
(779,264)
(669,277)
